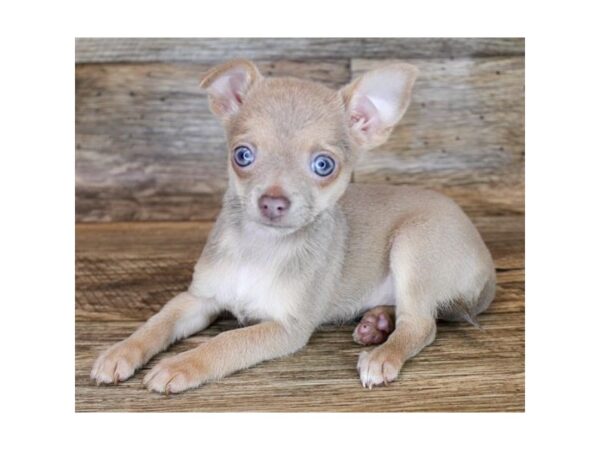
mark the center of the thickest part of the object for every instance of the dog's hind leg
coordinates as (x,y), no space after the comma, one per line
(415,310)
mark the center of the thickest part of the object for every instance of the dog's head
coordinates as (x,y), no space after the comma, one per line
(293,143)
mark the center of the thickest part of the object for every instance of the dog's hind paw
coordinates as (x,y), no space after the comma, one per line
(375,326)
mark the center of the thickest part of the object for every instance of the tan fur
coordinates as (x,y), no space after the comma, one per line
(338,251)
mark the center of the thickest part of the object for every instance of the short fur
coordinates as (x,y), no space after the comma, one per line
(338,251)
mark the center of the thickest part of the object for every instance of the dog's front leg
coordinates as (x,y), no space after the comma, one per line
(185,314)
(226,353)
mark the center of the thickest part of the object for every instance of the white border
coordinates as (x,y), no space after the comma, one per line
(38,240)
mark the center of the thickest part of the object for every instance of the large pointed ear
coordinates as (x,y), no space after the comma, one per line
(376,102)
(228,84)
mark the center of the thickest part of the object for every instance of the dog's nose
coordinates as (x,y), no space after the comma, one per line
(273,207)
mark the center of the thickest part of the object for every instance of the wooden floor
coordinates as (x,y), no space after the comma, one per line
(127,271)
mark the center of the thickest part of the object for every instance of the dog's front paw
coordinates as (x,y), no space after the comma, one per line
(118,363)
(379,366)
(176,374)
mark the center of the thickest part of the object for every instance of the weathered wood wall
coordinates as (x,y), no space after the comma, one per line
(148,148)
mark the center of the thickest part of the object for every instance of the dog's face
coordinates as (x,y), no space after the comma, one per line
(293,143)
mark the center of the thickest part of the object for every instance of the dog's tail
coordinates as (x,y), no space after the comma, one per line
(463,311)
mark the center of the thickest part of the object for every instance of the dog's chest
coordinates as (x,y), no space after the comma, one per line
(251,290)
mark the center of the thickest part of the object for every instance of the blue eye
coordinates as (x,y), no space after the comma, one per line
(322,165)
(243,156)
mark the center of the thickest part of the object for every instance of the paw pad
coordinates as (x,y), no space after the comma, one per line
(374,328)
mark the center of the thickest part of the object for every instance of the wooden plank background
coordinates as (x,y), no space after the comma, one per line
(147,147)
(213,50)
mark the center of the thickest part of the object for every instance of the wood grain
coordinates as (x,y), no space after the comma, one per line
(93,50)
(463,133)
(148,148)
(127,271)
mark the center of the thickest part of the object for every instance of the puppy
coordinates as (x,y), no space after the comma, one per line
(296,245)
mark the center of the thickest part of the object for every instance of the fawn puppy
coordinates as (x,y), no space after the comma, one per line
(296,246)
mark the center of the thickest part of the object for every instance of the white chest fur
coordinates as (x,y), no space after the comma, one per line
(250,285)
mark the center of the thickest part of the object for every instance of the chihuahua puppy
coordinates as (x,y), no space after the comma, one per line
(296,246)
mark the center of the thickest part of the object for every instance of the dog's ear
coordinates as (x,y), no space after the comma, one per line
(376,101)
(228,84)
